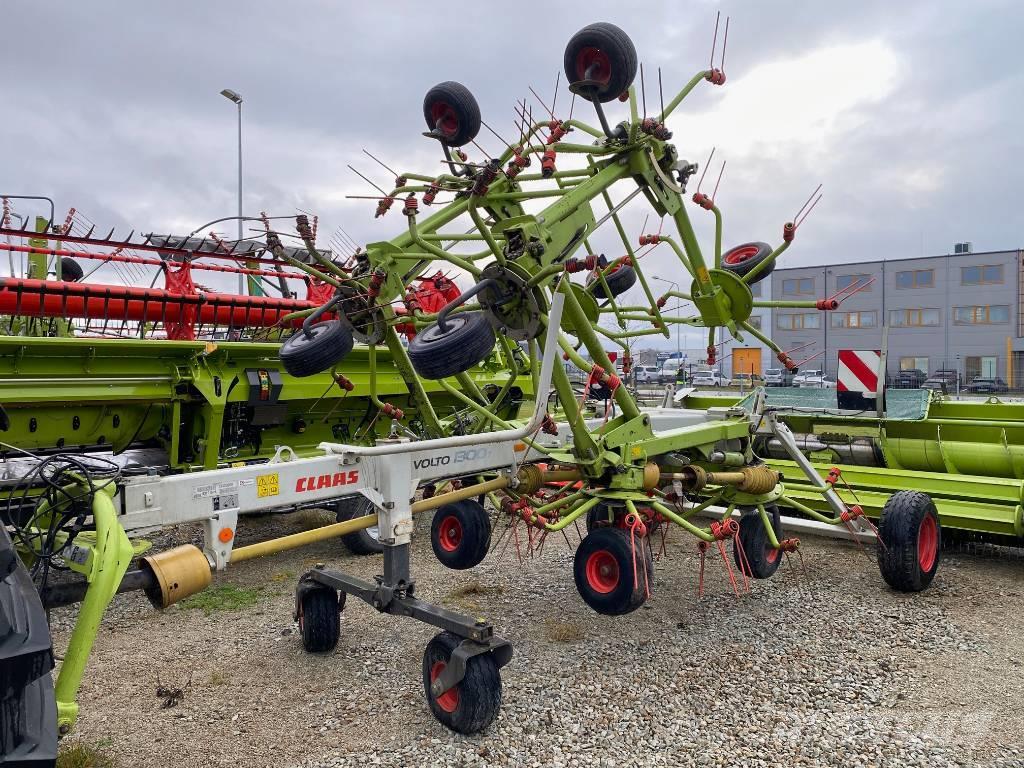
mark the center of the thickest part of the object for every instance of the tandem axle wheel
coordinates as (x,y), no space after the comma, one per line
(461,677)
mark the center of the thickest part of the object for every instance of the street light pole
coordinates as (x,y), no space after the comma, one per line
(237,99)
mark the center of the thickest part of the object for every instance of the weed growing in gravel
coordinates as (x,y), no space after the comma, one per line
(76,754)
(283,576)
(223,597)
(462,594)
(563,631)
(308,519)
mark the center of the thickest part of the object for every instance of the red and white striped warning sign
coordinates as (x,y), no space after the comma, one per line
(859,370)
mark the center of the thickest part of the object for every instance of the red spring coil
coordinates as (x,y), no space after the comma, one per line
(712,355)
(627,364)
(565,355)
(558,130)
(662,133)
(376,281)
(787,361)
(703,201)
(833,476)
(827,305)
(715,77)
(662,301)
(650,239)
(574,265)
(430,194)
(392,411)
(548,425)
(547,164)
(412,206)
(343,383)
(724,530)
(461,155)
(788,231)
(401,181)
(789,545)
(384,206)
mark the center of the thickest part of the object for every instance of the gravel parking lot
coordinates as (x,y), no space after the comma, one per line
(823,667)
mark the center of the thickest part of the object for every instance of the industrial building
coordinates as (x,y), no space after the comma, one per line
(961,311)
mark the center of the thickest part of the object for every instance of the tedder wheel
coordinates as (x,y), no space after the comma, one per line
(603,571)
(327,345)
(437,354)
(762,559)
(452,113)
(367,540)
(619,281)
(70,270)
(601,54)
(743,258)
(599,517)
(461,534)
(320,618)
(911,541)
(473,704)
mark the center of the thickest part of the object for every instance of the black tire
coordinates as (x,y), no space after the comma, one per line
(603,571)
(743,258)
(611,52)
(461,534)
(327,346)
(457,110)
(598,518)
(437,354)
(619,281)
(366,541)
(28,709)
(911,541)
(762,560)
(474,703)
(70,270)
(320,618)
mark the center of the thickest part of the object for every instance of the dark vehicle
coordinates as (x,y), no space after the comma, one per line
(910,378)
(987,385)
(943,380)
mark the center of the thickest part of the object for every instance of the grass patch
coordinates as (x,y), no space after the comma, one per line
(281,576)
(309,519)
(563,631)
(223,597)
(475,588)
(77,754)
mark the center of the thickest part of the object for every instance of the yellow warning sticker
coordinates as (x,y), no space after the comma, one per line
(267,485)
(702,275)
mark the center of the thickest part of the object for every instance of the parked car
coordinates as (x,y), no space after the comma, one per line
(988,385)
(778,377)
(747,380)
(646,374)
(802,376)
(670,370)
(909,378)
(707,379)
(822,381)
(943,380)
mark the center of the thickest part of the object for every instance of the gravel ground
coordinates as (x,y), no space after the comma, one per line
(823,667)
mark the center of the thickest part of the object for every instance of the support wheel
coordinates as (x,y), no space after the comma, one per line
(602,58)
(319,612)
(452,113)
(743,258)
(466,341)
(70,270)
(367,540)
(461,534)
(911,541)
(620,280)
(326,345)
(473,704)
(761,558)
(603,571)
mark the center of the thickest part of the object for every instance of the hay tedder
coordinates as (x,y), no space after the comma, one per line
(478,409)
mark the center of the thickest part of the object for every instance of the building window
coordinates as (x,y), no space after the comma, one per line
(854,319)
(988,314)
(985,274)
(755,321)
(860,281)
(755,290)
(916,278)
(984,367)
(799,321)
(910,363)
(802,286)
(913,318)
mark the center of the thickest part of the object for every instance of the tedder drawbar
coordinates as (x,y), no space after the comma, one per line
(539,292)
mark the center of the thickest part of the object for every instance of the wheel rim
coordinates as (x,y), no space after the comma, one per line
(770,553)
(450,533)
(593,57)
(927,543)
(444,118)
(373,531)
(740,255)
(602,572)
(449,700)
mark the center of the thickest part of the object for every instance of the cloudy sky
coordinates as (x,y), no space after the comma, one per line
(910,114)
